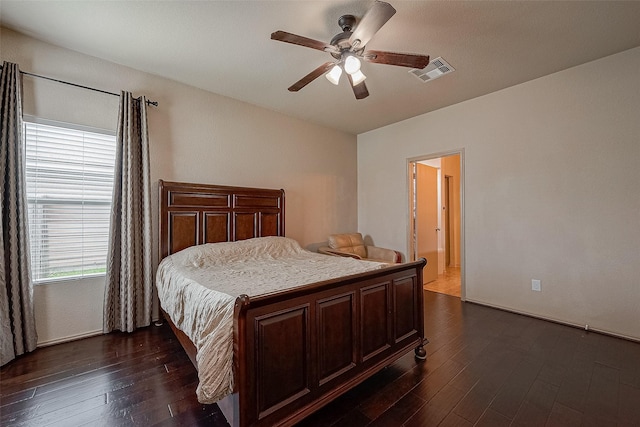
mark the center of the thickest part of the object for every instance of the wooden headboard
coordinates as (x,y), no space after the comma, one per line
(193,214)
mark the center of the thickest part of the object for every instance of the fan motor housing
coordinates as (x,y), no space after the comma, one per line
(341,40)
(346,22)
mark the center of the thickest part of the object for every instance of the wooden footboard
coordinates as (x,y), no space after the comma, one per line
(295,351)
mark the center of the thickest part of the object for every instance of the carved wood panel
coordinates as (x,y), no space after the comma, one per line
(216,227)
(269,224)
(282,358)
(336,336)
(254,201)
(245,226)
(374,320)
(183,230)
(406,317)
(185,198)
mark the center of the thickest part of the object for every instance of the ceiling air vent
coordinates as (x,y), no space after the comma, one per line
(436,68)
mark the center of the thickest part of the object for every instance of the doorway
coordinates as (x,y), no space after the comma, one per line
(436,206)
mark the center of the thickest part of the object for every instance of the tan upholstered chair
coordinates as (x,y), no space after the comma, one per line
(352,245)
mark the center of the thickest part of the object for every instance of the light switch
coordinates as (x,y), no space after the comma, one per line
(535,285)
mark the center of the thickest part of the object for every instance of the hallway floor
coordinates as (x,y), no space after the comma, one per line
(447,283)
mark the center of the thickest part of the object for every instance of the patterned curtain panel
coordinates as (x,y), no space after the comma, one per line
(17,319)
(128,292)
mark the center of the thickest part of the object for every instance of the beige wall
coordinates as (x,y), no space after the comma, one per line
(551,177)
(195,136)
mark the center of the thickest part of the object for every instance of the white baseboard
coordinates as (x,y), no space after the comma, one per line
(554,320)
(82,335)
(69,338)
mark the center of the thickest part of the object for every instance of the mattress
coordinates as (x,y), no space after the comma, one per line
(198,286)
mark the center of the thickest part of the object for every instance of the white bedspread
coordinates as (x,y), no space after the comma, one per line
(198,286)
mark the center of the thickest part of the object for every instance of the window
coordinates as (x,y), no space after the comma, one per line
(69,176)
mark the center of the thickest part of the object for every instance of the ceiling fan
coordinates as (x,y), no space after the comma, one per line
(348,48)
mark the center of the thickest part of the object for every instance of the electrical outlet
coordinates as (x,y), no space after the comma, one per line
(535,285)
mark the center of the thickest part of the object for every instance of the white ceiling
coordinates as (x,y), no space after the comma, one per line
(225,47)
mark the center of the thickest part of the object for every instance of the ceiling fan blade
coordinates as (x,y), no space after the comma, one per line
(359,90)
(393,58)
(283,36)
(311,77)
(370,23)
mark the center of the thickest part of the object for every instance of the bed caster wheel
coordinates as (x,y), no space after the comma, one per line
(421,353)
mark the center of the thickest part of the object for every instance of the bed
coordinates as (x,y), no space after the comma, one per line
(292,350)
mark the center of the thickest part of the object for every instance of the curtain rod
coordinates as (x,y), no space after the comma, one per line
(154,103)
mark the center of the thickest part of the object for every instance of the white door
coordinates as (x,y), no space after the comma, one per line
(427,219)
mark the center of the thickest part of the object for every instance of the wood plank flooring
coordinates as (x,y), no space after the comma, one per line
(485,367)
(446,283)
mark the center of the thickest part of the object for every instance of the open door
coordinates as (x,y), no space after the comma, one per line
(426,219)
(436,201)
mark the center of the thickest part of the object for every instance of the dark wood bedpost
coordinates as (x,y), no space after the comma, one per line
(420,352)
(239,353)
(239,337)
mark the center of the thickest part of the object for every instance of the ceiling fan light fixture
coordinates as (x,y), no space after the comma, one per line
(351,64)
(348,50)
(357,78)
(334,75)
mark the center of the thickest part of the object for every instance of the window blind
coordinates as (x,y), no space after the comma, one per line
(69,180)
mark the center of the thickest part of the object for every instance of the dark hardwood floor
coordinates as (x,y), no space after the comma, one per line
(485,367)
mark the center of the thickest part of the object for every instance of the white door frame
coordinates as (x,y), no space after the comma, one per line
(411,248)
